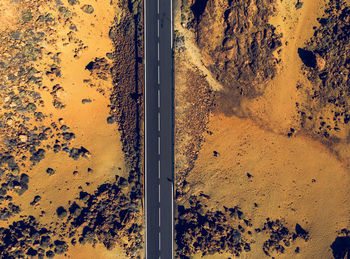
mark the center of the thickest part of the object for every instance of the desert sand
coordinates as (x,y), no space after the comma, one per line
(64,170)
(253,149)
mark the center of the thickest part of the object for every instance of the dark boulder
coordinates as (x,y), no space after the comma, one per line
(61,212)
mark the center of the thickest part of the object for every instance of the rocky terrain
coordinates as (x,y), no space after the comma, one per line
(326,64)
(261,137)
(71,109)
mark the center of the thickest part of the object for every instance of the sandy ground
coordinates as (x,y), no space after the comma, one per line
(276,108)
(9,14)
(291,178)
(88,121)
(97,252)
(297,179)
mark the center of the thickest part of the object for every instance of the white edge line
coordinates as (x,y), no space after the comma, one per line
(172,184)
(172,220)
(145,122)
(171,24)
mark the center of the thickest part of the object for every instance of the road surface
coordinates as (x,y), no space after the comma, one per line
(158,129)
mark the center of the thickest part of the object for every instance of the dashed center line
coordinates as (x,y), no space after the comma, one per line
(158,51)
(159,169)
(158,27)
(158,98)
(159,122)
(158,145)
(158,75)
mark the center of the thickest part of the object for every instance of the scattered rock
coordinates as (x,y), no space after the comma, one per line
(87,9)
(61,212)
(111,120)
(299,5)
(32,252)
(50,254)
(67,136)
(23,138)
(280,237)
(75,153)
(60,247)
(50,171)
(24,178)
(45,241)
(341,245)
(73,2)
(37,156)
(84,101)
(27,16)
(75,209)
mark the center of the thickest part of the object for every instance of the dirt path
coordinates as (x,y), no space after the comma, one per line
(192,51)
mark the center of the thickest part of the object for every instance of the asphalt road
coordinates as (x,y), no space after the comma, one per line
(159,189)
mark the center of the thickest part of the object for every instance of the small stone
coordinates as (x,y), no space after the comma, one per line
(32,252)
(60,247)
(36,199)
(50,254)
(31,107)
(320,62)
(9,122)
(27,16)
(110,55)
(50,171)
(24,178)
(61,212)
(66,12)
(112,33)
(84,101)
(38,156)
(110,120)
(87,9)
(298,5)
(23,138)
(73,2)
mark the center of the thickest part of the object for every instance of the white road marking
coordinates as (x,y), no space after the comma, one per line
(158,75)
(158,51)
(158,121)
(158,98)
(158,145)
(158,27)
(159,169)
(159,233)
(172,218)
(171,26)
(146,132)
(157,6)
